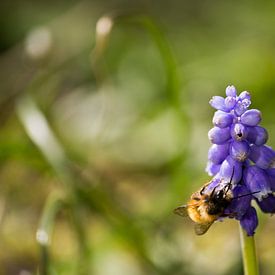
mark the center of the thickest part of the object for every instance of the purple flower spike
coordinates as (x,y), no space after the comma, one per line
(217,102)
(251,117)
(218,153)
(257,135)
(257,180)
(249,221)
(263,156)
(219,135)
(226,171)
(222,119)
(267,205)
(239,131)
(231,91)
(212,169)
(239,150)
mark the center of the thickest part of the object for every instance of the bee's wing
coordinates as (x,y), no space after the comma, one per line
(201,228)
(181,210)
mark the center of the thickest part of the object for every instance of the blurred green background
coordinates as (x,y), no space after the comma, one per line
(104,121)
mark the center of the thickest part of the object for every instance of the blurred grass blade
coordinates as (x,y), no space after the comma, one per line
(39,131)
(53,205)
(169,62)
(41,134)
(104,28)
(44,232)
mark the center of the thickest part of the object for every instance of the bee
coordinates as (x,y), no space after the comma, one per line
(205,206)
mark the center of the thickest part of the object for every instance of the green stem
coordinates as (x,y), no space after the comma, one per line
(250,262)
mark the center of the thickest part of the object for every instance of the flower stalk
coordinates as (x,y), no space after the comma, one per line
(250,263)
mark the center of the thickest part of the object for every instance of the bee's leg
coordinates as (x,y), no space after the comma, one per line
(232,174)
(229,185)
(229,215)
(201,191)
(213,191)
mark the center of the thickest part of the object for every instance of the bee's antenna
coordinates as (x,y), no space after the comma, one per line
(246,195)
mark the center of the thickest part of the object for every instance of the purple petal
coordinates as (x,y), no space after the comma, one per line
(222,119)
(271,174)
(257,135)
(218,153)
(226,171)
(219,135)
(249,221)
(267,204)
(231,91)
(230,102)
(238,131)
(212,169)
(251,117)
(256,180)
(239,150)
(240,203)
(214,182)
(217,102)
(263,156)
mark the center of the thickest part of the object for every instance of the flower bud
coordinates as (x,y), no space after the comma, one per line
(241,106)
(244,95)
(271,175)
(240,203)
(249,221)
(257,180)
(231,91)
(238,131)
(239,150)
(263,156)
(251,117)
(212,169)
(222,119)
(267,204)
(230,168)
(257,135)
(218,153)
(217,102)
(219,135)
(271,172)
(230,102)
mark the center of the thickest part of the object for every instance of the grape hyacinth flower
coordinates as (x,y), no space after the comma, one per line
(239,151)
